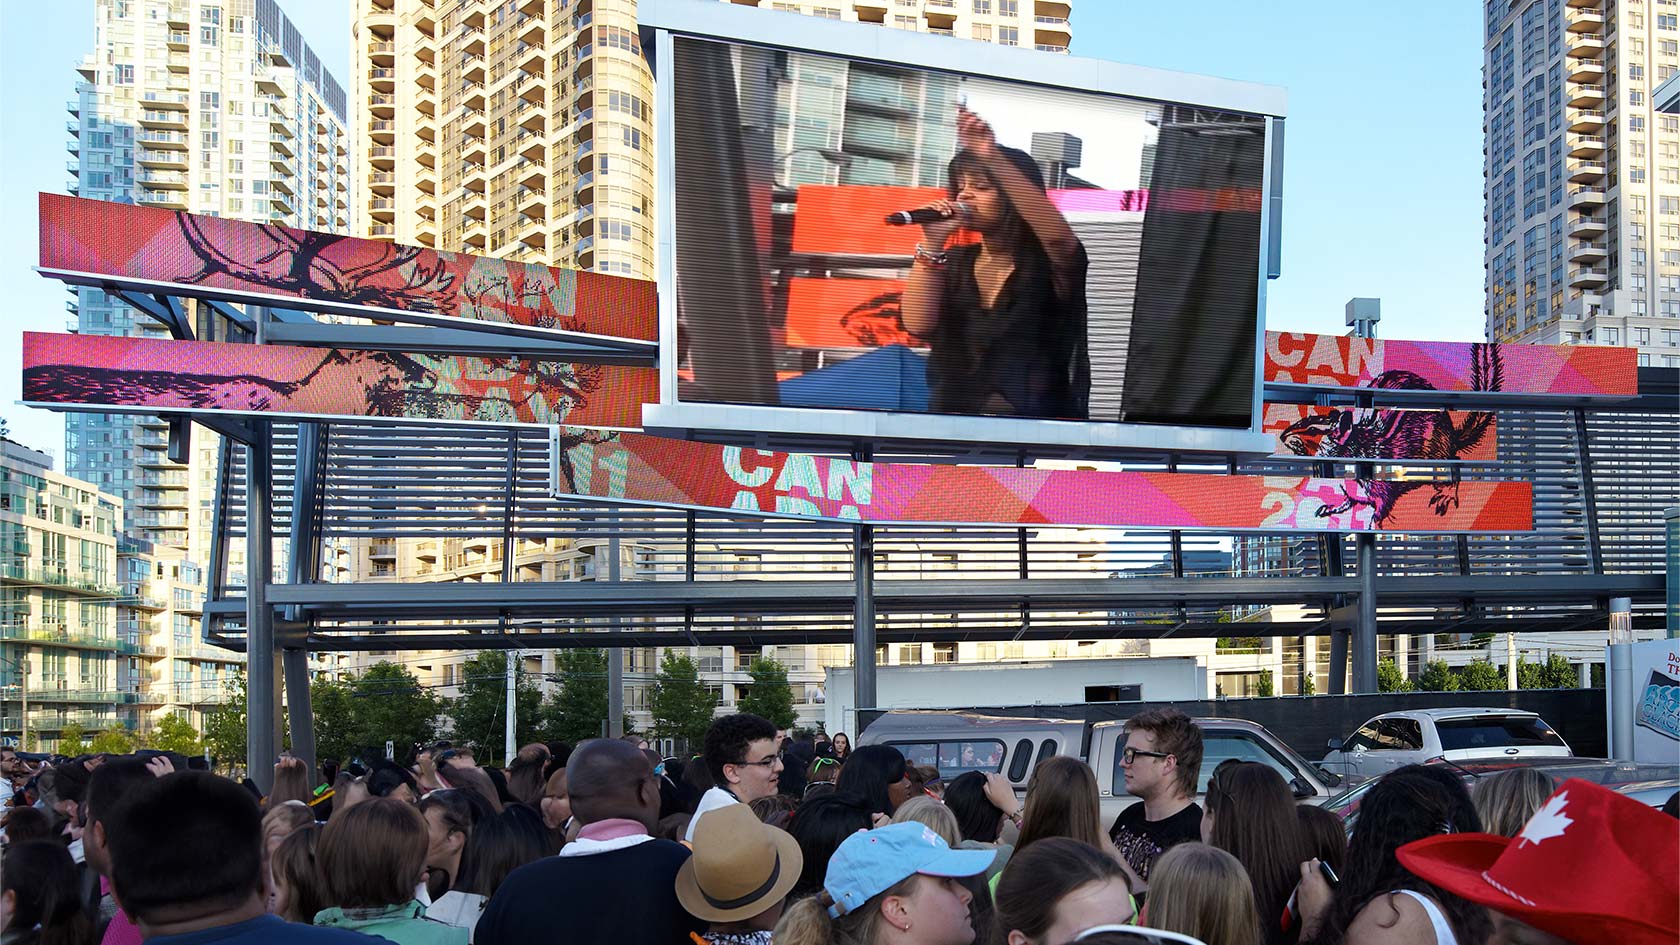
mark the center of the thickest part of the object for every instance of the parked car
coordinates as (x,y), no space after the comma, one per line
(1417,735)
(955,742)
(1648,784)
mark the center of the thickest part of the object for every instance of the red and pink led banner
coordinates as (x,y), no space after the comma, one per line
(639,469)
(138,374)
(1308,360)
(1432,436)
(215,254)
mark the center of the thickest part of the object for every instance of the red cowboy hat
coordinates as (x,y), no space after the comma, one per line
(1591,866)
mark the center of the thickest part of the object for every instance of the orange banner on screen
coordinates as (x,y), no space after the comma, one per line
(846,313)
(852,220)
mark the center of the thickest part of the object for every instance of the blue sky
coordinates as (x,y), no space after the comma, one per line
(1382,175)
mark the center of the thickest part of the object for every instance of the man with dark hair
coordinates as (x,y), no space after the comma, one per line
(110,783)
(615,882)
(1162,758)
(186,865)
(741,754)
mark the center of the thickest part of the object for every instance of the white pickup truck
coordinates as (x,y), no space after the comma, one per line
(955,742)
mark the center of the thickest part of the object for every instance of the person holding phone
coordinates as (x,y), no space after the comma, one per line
(1004,318)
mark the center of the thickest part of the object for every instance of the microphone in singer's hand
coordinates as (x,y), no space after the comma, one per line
(924,215)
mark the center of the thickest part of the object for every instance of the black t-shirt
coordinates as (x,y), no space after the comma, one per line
(1141,841)
(1029,349)
(620,896)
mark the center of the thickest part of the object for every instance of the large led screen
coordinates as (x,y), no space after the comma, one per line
(862,236)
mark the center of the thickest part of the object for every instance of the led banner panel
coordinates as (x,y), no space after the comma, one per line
(636,468)
(1302,431)
(1083,256)
(1308,360)
(140,374)
(214,253)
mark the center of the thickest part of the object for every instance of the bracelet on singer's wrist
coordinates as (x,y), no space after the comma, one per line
(930,257)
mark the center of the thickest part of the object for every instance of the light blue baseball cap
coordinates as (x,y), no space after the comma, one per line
(870,862)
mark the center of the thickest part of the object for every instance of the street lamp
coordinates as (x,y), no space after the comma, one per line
(839,159)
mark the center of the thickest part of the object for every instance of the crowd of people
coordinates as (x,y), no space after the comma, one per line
(762,839)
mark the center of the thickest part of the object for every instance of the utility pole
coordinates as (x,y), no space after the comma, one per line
(512,671)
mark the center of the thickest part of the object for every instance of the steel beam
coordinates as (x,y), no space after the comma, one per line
(262,719)
(450,341)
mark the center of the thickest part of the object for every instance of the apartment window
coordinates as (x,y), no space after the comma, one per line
(1668,21)
(1637,307)
(982,32)
(125,74)
(983,7)
(1668,206)
(827,13)
(1641,336)
(902,22)
(209,36)
(633,138)
(1009,36)
(1612,336)
(1669,308)
(1668,47)
(1009,7)
(1671,337)
(1636,175)
(1644,360)
(1636,73)
(1671,257)
(1636,97)
(1636,123)
(1671,360)
(1668,284)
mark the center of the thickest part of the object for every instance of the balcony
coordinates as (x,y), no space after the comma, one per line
(1585,70)
(383,105)
(179,40)
(1586,199)
(1052,30)
(278,203)
(174,140)
(282,144)
(74,128)
(1584,121)
(1587,228)
(1584,46)
(56,578)
(383,208)
(383,78)
(383,155)
(532,29)
(1586,251)
(383,52)
(1585,146)
(1588,278)
(74,107)
(383,231)
(168,199)
(472,96)
(383,182)
(1586,172)
(54,634)
(1585,21)
(281,185)
(472,69)
(173,100)
(1586,96)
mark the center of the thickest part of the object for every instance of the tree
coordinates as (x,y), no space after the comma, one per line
(333,706)
(175,733)
(1308,687)
(578,708)
(682,708)
(1390,678)
(1264,688)
(72,741)
(1481,676)
(112,741)
(1437,676)
(391,705)
(1555,673)
(770,696)
(480,712)
(224,729)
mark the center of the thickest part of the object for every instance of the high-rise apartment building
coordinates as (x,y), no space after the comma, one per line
(58,642)
(217,108)
(1582,175)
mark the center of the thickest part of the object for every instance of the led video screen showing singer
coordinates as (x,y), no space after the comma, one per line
(867,236)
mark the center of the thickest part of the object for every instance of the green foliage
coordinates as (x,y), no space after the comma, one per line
(578,708)
(112,741)
(1390,678)
(1437,676)
(224,729)
(682,708)
(1265,686)
(72,740)
(1308,686)
(175,733)
(1555,673)
(480,712)
(770,696)
(1481,676)
(1237,643)
(333,706)
(389,704)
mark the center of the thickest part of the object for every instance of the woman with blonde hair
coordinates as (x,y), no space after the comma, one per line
(930,813)
(1508,799)
(1203,892)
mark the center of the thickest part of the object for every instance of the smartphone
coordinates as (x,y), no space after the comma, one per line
(1290,916)
(1329,874)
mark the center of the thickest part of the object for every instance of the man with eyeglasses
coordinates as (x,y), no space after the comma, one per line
(740,753)
(1162,758)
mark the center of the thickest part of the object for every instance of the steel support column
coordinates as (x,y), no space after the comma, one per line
(1365,629)
(615,655)
(262,718)
(1337,684)
(302,566)
(863,618)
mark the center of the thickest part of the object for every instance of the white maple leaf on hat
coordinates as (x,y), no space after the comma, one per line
(1549,821)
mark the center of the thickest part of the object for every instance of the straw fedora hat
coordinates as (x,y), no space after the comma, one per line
(740,866)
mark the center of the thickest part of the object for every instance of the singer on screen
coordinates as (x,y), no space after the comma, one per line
(1004,318)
